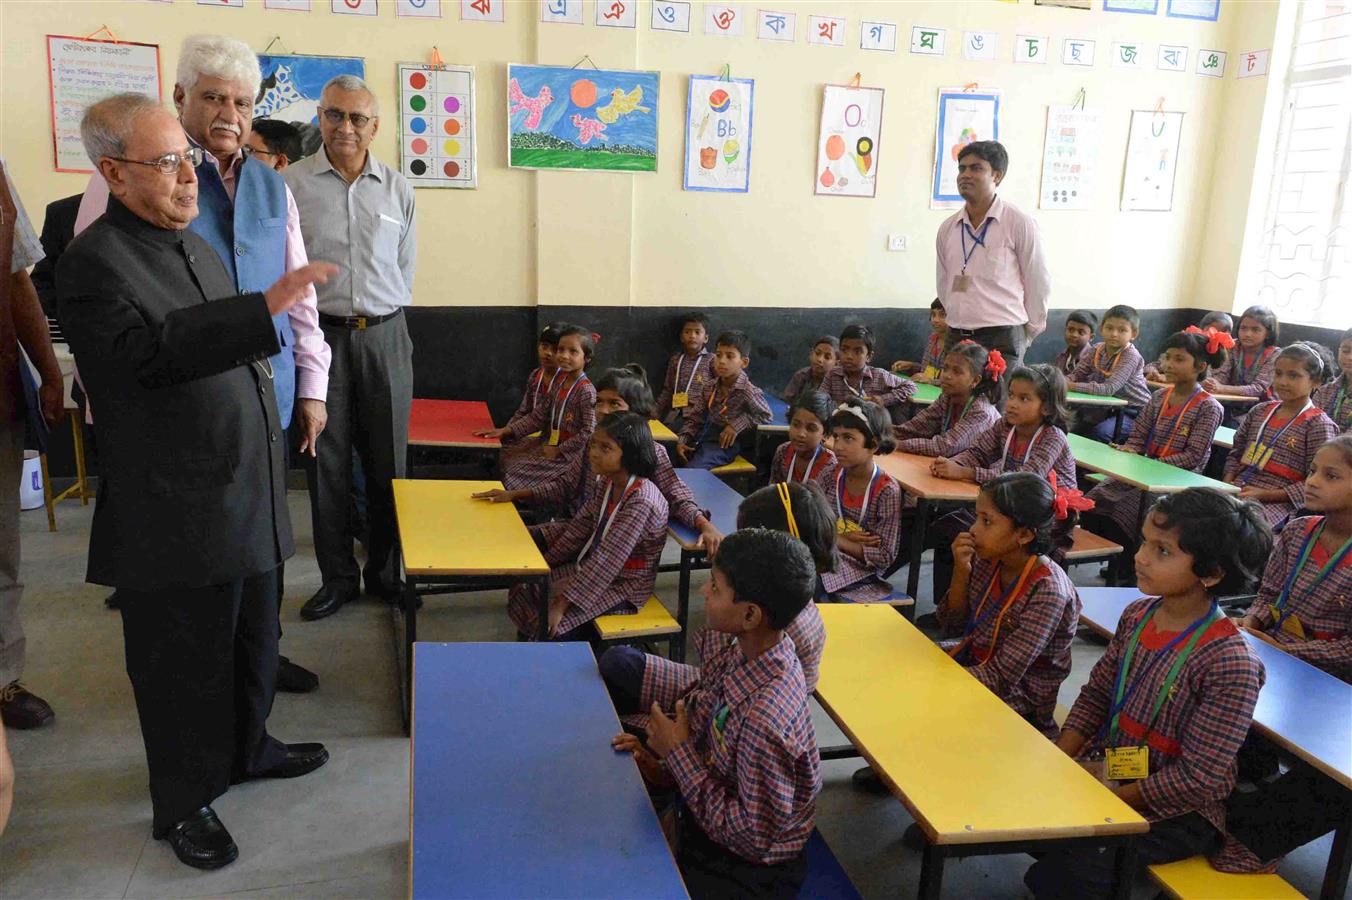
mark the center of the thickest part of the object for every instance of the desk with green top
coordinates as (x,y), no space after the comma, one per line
(1152,476)
(909,709)
(459,544)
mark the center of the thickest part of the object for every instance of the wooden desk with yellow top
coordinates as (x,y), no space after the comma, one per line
(978,779)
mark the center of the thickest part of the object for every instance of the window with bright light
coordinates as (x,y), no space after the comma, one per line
(1304,266)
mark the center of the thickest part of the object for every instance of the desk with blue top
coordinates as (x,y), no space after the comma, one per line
(516,791)
(1302,709)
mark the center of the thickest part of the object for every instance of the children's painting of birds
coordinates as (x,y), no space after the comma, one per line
(576,118)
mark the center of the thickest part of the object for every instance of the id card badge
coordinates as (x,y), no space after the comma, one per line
(931,373)
(680,400)
(845,526)
(962,283)
(1127,763)
(553,437)
(1291,625)
(1257,455)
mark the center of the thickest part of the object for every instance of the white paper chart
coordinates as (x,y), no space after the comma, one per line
(436,126)
(1069,158)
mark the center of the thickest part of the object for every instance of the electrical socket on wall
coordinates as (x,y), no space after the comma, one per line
(896,242)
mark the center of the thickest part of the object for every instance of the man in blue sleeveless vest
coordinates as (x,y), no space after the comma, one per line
(247,214)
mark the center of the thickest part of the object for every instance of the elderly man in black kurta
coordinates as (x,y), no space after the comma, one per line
(191,522)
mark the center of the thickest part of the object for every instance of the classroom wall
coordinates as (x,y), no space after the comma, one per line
(599,239)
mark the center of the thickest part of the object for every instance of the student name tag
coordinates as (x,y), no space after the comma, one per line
(845,526)
(553,437)
(1291,625)
(1257,455)
(931,373)
(1127,763)
(680,400)
(962,283)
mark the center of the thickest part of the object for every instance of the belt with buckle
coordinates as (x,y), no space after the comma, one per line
(357,323)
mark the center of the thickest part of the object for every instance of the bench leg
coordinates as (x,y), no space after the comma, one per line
(1124,870)
(931,873)
(1117,426)
(1340,862)
(917,546)
(682,606)
(410,602)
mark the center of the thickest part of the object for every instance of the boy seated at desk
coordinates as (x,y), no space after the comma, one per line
(741,750)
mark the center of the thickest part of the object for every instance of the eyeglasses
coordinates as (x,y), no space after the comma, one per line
(169,163)
(250,150)
(336,117)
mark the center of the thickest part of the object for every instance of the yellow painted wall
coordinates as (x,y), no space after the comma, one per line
(597,238)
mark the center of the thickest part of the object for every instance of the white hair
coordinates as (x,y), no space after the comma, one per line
(352,83)
(219,57)
(108,124)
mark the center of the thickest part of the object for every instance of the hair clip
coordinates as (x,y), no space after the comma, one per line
(857,413)
(596,337)
(1066,499)
(1214,339)
(996,365)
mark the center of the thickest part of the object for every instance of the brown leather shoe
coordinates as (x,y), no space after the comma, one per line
(21,709)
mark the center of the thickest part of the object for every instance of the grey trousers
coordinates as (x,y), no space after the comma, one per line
(370,395)
(11,589)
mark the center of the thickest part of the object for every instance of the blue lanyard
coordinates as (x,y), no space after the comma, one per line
(978,240)
(1250,468)
(1149,665)
(1247,373)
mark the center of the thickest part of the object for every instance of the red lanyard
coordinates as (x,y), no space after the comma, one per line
(1117,358)
(1166,449)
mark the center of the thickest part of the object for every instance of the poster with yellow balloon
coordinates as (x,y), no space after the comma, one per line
(718,134)
(848,141)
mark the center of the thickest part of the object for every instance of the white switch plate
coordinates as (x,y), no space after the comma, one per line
(896,242)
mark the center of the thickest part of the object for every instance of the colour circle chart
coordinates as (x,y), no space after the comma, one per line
(436,126)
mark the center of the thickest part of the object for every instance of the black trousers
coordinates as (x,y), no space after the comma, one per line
(1010,340)
(203,668)
(710,870)
(1084,873)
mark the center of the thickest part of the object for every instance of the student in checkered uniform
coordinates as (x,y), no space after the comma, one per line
(970,390)
(1080,327)
(564,425)
(637,680)
(824,357)
(1176,426)
(1168,705)
(542,379)
(1113,368)
(1015,611)
(867,504)
(927,370)
(1335,396)
(804,456)
(1250,371)
(604,561)
(1030,437)
(856,379)
(1276,441)
(741,750)
(687,372)
(725,408)
(1304,606)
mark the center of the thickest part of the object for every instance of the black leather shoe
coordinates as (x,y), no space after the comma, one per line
(327,601)
(201,841)
(301,759)
(21,709)
(294,679)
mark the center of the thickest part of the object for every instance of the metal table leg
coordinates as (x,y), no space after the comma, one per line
(1340,862)
(917,545)
(931,873)
(1124,870)
(1117,426)
(682,605)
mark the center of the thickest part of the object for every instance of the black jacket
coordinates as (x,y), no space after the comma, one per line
(190,446)
(58,230)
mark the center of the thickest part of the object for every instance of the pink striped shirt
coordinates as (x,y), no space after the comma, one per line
(1008,279)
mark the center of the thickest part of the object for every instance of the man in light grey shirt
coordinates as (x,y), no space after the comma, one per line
(358,212)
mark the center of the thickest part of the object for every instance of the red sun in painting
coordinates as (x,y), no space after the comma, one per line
(583,93)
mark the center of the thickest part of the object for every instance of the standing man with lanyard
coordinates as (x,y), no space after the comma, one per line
(992,277)
(359,212)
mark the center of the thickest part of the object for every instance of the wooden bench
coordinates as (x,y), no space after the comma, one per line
(826,878)
(1195,879)
(740,470)
(1089,547)
(652,621)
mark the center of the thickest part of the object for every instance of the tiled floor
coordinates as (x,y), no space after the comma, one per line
(81,823)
